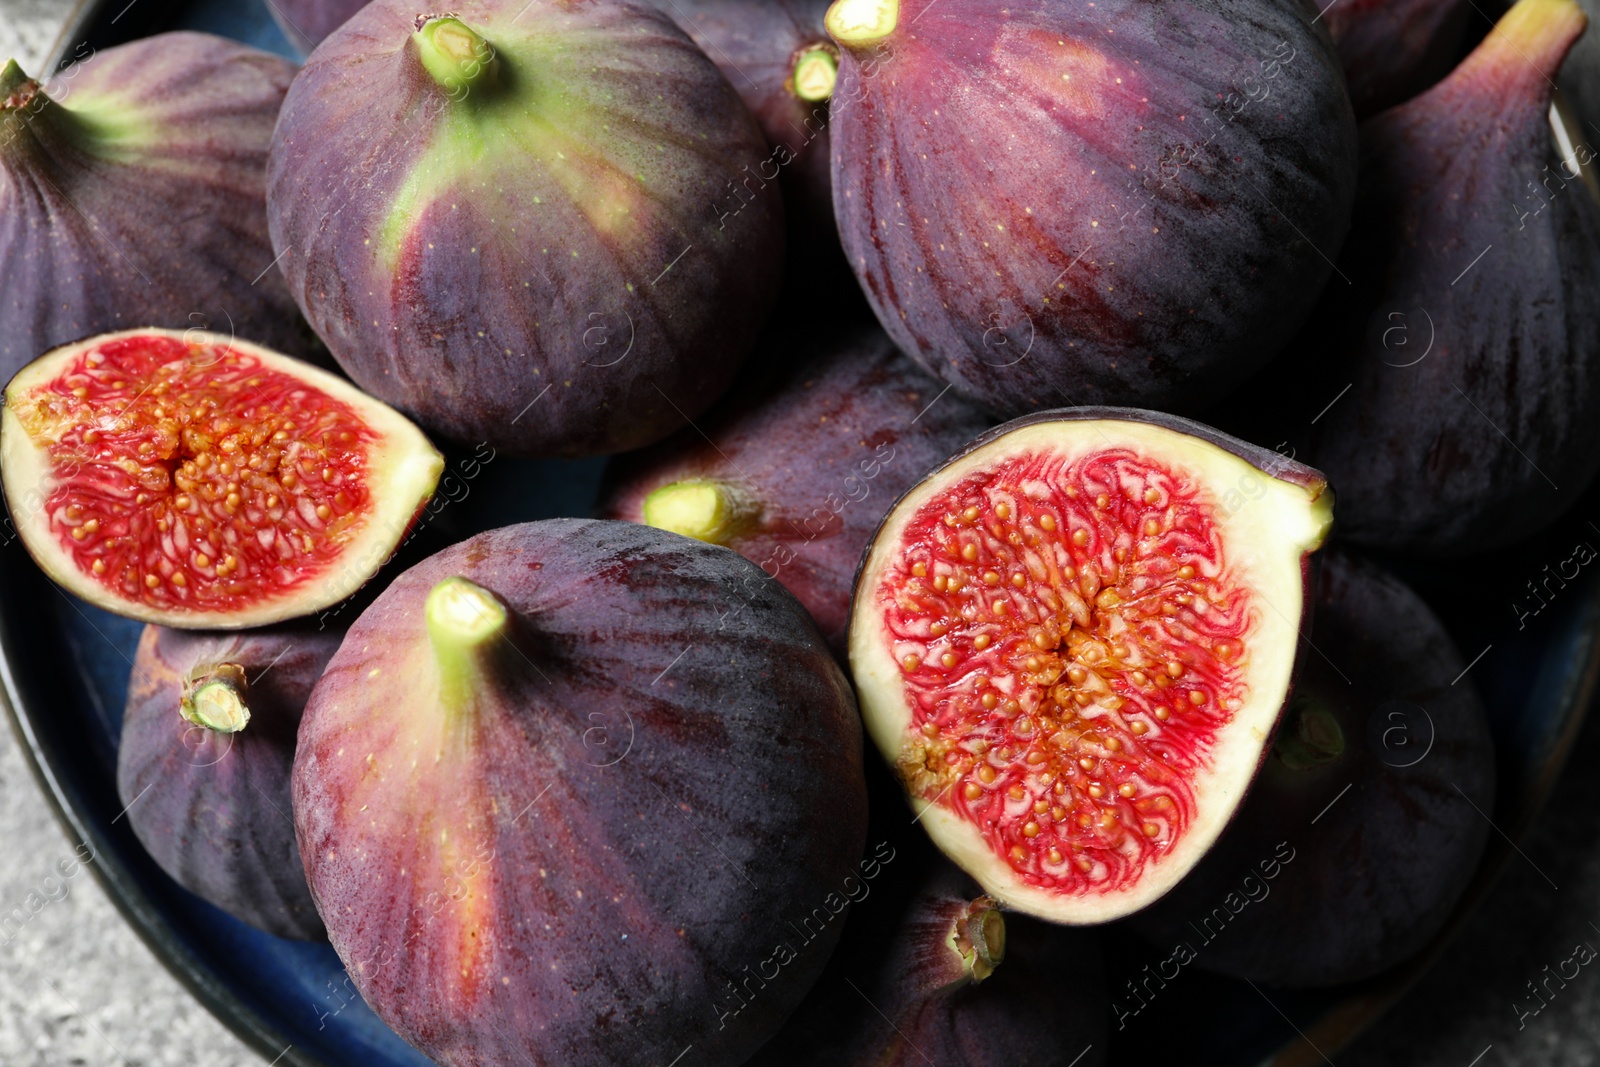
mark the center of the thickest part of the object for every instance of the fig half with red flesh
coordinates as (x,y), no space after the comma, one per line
(1054,202)
(1377,795)
(1073,641)
(795,470)
(564,787)
(208,738)
(203,482)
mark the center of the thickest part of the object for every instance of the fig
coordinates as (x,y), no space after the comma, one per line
(208,740)
(132,193)
(1063,203)
(1072,643)
(1366,825)
(795,469)
(307,23)
(203,482)
(777,54)
(1394,49)
(478,209)
(1448,391)
(946,980)
(564,788)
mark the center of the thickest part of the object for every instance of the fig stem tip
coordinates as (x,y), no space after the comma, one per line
(454,54)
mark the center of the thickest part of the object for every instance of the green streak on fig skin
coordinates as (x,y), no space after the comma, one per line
(463,620)
(216,698)
(704,510)
(816,72)
(103,127)
(455,56)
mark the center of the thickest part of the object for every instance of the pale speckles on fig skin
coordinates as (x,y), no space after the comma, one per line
(1419,466)
(501,278)
(160,223)
(213,809)
(1378,873)
(730,800)
(973,183)
(798,437)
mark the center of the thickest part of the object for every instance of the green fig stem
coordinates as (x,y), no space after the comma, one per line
(464,621)
(1312,738)
(705,510)
(861,24)
(216,698)
(816,71)
(1525,49)
(979,938)
(454,55)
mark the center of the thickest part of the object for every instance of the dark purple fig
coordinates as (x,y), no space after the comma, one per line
(778,56)
(564,785)
(1057,203)
(208,741)
(1447,383)
(504,220)
(946,979)
(1394,49)
(794,470)
(307,22)
(132,194)
(1368,821)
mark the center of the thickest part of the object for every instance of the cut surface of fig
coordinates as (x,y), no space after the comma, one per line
(203,482)
(1072,642)
(556,734)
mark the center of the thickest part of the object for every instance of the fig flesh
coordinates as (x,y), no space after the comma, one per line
(203,482)
(1394,49)
(777,54)
(1059,203)
(564,786)
(794,471)
(132,194)
(1376,801)
(1449,391)
(208,740)
(1072,643)
(499,224)
(949,980)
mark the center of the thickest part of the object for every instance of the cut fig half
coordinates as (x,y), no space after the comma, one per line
(1072,643)
(199,481)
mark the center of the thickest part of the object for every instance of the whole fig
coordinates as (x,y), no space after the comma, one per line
(504,221)
(208,740)
(563,789)
(132,193)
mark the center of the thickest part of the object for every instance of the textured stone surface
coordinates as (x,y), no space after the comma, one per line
(28,28)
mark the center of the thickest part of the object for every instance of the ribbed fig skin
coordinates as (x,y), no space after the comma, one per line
(824,444)
(660,773)
(1449,391)
(132,193)
(1394,49)
(1374,877)
(878,1005)
(308,22)
(211,808)
(1058,203)
(537,261)
(755,44)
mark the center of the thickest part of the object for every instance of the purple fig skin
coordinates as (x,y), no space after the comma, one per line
(896,993)
(1375,877)
(132,193)
(307,23)
(1043,218)
(582,845)
(1394,49)
(550,225)
(755,44)
(819,451)
(212,808)
(1454,376)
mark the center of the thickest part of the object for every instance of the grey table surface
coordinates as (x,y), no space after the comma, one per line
(77,987)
